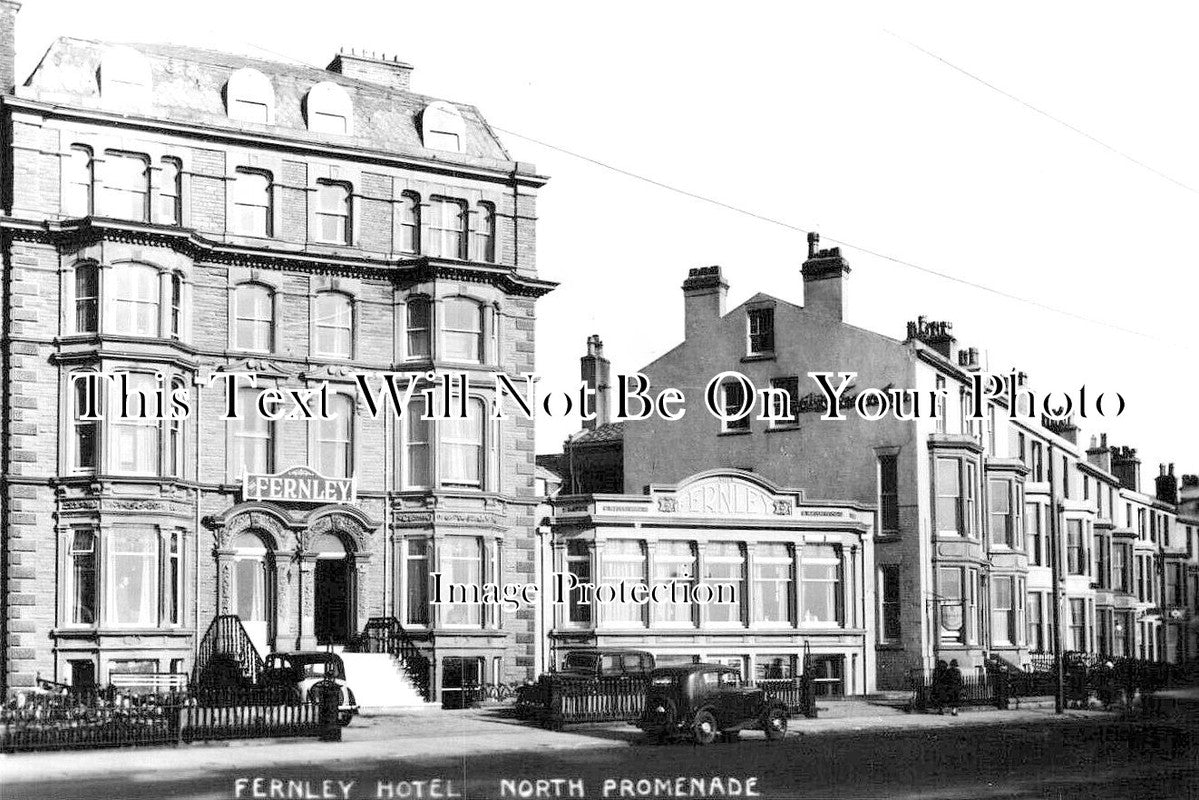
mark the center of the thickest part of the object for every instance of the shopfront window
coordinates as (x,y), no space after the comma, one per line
(674,562)
(773,584)
(822,591)
(724,563)
(623,563)
(578,564)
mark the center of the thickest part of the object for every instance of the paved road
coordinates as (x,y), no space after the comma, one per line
(1083,758)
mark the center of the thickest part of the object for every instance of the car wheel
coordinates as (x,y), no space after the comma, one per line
(345,718)
(705,728)
(775,724)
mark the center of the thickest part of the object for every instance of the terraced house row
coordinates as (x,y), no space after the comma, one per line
(971,514)
(191,213)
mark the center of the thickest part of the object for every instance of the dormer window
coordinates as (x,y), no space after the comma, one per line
(249,97)
(761,331)
(442,127)
(124,78)
(328,109)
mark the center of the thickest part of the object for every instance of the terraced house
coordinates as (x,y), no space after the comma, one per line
(186,213)
(992,537)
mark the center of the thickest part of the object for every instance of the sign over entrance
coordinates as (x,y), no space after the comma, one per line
(298,485)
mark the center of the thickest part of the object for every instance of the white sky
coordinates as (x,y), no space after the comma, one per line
(815,115)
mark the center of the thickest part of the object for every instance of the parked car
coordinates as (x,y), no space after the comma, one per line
(706,701)
(306,671)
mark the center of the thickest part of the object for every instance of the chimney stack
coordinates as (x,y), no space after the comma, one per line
(704,293)
(1099,455)
(8,45)
(1127,467)
(937,335)
(968,359)
(595,372)
(824,280)
(1166,485)
(371,67)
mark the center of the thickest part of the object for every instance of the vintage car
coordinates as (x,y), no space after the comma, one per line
(704,701)
(307,671)
(579,668)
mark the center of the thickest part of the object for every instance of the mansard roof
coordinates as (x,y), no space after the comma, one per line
(188,86)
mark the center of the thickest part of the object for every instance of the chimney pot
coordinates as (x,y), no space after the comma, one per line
(824,280)
(372,67)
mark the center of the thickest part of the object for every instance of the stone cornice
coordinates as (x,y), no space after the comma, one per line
(188,242)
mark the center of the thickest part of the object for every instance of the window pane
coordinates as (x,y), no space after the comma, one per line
(417,444)
(83,577)
(462,448)
(133,595)
(821,584)
(126,186)
(334,438)
(623,562)
(133,293)
(252,203)
(418,582)
(462,562)
(251,589)
(419,322)
(334,325)
(772,584)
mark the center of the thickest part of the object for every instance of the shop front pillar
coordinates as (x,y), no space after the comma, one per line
(306,640)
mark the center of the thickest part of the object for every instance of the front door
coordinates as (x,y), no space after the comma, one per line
(460,679)
(332,613)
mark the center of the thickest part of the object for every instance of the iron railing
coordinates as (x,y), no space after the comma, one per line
(226,656)
(56,717)
(387,635)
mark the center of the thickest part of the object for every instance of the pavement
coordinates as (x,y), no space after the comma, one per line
(438,733)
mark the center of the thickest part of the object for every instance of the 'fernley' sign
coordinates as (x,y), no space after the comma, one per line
(297,485)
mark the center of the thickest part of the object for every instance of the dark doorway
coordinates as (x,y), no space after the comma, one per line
(460,680)
(828,674)
(332,614)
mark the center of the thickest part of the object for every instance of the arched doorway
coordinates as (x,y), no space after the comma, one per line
(332,591)
(253,583)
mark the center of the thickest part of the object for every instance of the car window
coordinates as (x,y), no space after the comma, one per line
(610,664)
(580,661)
(730,679)
(632,662)
(709,678)
(316,669)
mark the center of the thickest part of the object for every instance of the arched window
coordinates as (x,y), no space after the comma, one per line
(335,439)
(124,77)
(252,208)
(133,292)
(170,191)
(126,193)
(329,109)
(255,329)
(483,235)
(249,96)
(87,298)
(442,127)
(332,212)
(78,179)
(463,448)
(334,325)
(419,319)
(409,222)
(447,227)
(462,330)
(251,599)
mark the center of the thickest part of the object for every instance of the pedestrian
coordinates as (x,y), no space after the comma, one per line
(953,687)
(938,686)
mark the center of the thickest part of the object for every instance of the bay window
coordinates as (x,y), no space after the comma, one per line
(416,445)
(1078,625)
(334,325)
(1003,611)
(461,559)
(724,563)
(134,442)
(132,577)
(675,561)
(126,186)
(176,307)
(822,591)
(170,171)
(1036,623)
(1003,521)
(419,317)
(623,564)
(86,432)
(133,292)
(175,435)
(335,439)
(952,604)
(174,580)
(255,324)
(416,577)
(82,571)
(1121,567)
(87,298)
(774,586)
(1076,559)
(462,330)
(462,447)
(1036,535)
(949,496)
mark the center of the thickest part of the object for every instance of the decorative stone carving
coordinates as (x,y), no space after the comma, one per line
(782,508)
(668,505)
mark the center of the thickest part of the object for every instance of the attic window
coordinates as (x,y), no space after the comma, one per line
(250,97)
(442,127)
(329,109)
(124,77)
